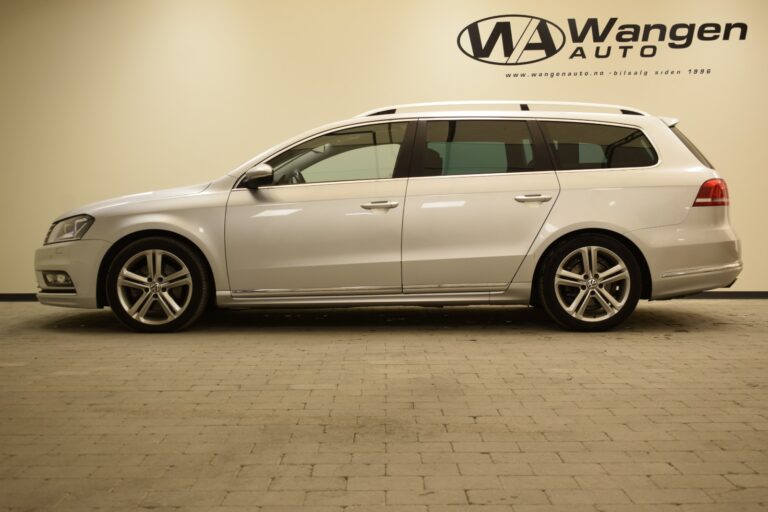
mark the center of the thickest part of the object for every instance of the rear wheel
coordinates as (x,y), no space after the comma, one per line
(590,283)
(157,285)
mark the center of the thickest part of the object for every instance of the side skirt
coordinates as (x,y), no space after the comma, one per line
(517,293)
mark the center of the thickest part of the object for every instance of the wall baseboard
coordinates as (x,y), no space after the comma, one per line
(31,297)
(729,295)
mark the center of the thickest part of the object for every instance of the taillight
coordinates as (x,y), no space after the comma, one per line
(713,192)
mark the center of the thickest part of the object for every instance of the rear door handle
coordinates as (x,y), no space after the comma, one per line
(533,198)
(380,205)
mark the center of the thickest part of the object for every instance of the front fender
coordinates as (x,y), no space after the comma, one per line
(199,219)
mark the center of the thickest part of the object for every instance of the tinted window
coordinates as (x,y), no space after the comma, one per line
(360,153)
(598,146)
(692,148)
(477,147)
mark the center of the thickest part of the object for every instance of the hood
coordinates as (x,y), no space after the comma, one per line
(95,208)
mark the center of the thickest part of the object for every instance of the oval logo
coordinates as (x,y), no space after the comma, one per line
(511,39)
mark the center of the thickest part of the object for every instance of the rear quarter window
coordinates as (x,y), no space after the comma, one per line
(691,147)
(597,146)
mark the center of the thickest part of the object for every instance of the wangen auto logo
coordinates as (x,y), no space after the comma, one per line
(523,39)
(515,39)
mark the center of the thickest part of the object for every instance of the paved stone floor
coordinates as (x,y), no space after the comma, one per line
(418,410)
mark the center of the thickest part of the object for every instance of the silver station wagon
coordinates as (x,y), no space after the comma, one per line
(580,209)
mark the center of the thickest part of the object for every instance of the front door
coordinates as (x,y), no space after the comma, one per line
(331,222)
(479,192)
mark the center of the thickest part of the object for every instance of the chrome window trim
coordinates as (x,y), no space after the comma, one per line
(484,175)
(292,185)
(361,122)
(539,120)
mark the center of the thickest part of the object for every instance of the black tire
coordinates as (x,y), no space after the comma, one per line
(554,298)
(174,257)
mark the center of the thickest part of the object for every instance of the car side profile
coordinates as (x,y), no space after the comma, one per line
(581,209)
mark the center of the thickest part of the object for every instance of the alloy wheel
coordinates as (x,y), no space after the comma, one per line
(592,283)
(154,287)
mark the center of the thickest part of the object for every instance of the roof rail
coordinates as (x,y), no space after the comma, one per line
(524,105)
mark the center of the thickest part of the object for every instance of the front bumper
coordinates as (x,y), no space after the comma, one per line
(80,259)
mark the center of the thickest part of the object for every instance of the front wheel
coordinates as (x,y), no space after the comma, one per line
(157,285)
(590,283)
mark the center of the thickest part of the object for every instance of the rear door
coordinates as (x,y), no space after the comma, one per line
(479,191)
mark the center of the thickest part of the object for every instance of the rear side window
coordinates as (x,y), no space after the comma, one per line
(477,147)
(692,148)
(597,146)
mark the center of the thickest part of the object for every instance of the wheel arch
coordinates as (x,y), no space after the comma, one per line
(645,291)
(101,292)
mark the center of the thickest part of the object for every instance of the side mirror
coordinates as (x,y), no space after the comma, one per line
(258,176)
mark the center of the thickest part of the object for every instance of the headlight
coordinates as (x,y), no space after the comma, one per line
(72,228)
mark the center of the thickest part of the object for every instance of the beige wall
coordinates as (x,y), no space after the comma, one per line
(104,98)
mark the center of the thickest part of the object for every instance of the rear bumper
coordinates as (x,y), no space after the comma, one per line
(693,280)
(704,270)
(80,259)
(697,255)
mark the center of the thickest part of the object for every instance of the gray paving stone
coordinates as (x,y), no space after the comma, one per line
(401,409)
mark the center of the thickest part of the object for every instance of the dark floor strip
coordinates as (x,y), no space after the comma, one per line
(730,295)
(17,297)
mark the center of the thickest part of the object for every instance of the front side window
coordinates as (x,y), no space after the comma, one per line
(477,147)
(359,153)
(597,146)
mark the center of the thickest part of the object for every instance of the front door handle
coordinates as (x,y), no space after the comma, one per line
(380,205)
(533,198)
